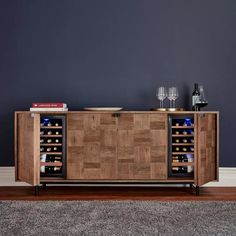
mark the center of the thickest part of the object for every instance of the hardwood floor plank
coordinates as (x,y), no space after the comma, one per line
(118,193)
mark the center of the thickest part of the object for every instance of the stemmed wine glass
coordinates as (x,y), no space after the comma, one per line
(173,94)
(161,94)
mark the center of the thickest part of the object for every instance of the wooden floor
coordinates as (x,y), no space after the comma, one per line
(118,193)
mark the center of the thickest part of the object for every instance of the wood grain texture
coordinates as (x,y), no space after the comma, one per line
(27,148)
(142,146)
(91,146)
(207,159)
(118,193)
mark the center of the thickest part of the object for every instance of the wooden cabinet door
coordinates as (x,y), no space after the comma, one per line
(207,151)
(27,150)
(91,145)
(142,146)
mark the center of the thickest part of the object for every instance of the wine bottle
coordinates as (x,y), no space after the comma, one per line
(185,132)
(49,140)
(54,148)
(176,124)
(41,132)
(57,132)
(195,97)
(56,140)
(49,132)
(41,149)
(185,140)
(49,123)
(184,149)
(176,132)
(179,169)
(177,149)
(177,140)
(56,124)
(49,149)
(42,140)
(192,140)
(192,149)
(50,169)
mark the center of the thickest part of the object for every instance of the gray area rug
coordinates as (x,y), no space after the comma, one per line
(117,218)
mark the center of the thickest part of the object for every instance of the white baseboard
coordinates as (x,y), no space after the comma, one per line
(227,178)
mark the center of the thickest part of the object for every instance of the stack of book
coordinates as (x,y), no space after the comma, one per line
(49,106)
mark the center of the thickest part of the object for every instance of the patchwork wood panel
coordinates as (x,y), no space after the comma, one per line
(91,146)
(27,147)
(207,148)
(142,146)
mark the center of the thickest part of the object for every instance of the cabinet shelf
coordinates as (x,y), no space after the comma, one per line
(50,163)
(51,127)
(182,153)
(182,135)
(51,144)
(182,164)
(51,153)
(182,144)
(182,127)
(51,136)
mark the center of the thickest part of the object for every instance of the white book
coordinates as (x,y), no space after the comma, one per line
(48,109)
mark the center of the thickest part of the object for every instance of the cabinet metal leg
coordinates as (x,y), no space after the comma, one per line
(36,190)
(197,190)
(44,186)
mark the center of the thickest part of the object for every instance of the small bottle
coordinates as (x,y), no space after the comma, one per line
(192,149)
(49,140)
(185,140)
(179,169)
(177,140)
(195,97)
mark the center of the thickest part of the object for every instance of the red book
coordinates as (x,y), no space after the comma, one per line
(49,105)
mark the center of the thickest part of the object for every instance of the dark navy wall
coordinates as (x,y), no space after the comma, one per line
(115,53)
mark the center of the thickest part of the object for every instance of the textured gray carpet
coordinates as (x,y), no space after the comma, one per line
(117,218)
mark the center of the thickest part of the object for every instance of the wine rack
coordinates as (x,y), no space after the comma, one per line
(52,146)
(181,146)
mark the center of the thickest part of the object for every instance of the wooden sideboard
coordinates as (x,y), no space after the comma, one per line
(117,147)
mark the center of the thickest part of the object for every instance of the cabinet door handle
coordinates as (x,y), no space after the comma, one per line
(116,115)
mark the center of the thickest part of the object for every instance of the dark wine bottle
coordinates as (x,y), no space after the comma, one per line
(195,97)
(50,169)
(179,169)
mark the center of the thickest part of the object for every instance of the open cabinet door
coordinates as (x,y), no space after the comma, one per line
(27,160)
(207,152)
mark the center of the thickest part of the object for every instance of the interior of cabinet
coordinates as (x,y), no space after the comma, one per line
(52,146)
(181,150)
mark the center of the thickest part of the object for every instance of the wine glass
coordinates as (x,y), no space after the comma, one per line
(161,94)
(173,94)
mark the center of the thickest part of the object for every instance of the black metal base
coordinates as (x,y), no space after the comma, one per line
(43,186)
(36,190)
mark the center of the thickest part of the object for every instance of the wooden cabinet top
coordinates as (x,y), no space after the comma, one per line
(122,111)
